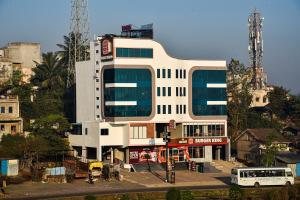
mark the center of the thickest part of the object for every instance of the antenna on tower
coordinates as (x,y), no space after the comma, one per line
(78,37)
(255,23)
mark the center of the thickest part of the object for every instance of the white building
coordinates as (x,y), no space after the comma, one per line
(131,89)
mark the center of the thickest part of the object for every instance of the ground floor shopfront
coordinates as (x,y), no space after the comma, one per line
(182,150)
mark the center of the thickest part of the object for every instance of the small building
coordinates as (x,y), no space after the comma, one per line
(10,120)
(23,56)
(251,143)
(291,160)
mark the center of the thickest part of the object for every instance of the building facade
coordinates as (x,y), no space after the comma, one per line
(23,56)
(10,120)
(131,91)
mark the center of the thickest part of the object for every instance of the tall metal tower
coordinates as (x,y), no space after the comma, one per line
(255,23)
(78,37)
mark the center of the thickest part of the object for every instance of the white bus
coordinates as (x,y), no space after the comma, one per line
(257,176)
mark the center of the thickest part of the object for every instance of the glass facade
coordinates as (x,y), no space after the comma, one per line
(201,94)
(199,130)
(134,52)
(142,94)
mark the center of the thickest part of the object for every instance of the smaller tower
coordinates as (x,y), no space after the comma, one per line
(255,23)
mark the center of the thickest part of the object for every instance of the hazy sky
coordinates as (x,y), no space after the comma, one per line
(200,29)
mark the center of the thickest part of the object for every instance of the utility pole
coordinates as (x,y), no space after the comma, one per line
(166,136)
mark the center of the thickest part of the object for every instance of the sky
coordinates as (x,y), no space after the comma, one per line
(190,29)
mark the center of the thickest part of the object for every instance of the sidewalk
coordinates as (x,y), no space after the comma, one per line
(132,181)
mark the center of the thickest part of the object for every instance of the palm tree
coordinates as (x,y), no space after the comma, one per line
(50,74)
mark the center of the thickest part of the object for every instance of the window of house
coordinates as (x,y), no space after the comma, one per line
(177,91)
(86,131)
(13,128)
(169,73)
(158,73)
(98,116)
(257,99)
(184,92)
(104,131)
(97,71)
(176,73)
(2,127)
(180,93)
(264,99)
(97,79)
(180,73)
(169,109)
(197,152)
(158,91)
(184,73)
(169,91)
(97,98)
(180,109)
(177,109)
(164,109)
(184,109)
(158,109)
(164,91)
(97,88)
(97,106)
(2,109)
(97,62)
(164,73)
(97,51)
(10,109)
(138,132)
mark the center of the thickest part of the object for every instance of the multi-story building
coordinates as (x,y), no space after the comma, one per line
(10,120)
(23,56)
(131,91)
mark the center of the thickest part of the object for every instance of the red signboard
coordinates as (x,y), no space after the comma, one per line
(127,27)
(137,155)
(199,141)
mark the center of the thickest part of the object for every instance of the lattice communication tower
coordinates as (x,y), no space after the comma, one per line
(78,37)
(255,23)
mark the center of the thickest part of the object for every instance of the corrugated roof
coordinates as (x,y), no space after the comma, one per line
(289,157)
(262,134)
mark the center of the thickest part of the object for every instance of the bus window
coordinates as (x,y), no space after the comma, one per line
(289,174)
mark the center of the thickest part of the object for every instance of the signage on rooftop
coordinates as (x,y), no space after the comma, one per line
(107,49)
(145,31)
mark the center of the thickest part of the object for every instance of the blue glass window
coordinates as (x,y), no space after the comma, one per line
(201,94)
(134,52)
(142,94)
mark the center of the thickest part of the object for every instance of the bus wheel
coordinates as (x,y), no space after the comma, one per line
(288,184)
(256,184)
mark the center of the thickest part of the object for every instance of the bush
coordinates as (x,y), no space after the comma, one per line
(89,197)
(187,195)
(235,192)
(173,194)
(125,197)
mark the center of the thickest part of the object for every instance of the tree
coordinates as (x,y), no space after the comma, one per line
(49,75)
(279,102)
(269,154)
(239,96)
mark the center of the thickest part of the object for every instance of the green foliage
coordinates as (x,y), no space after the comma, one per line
(125,197)
(187,195)
(90,197)
(173,194)
(270,152)
(278,194)
(12,146)
(238,89)
(235,192)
